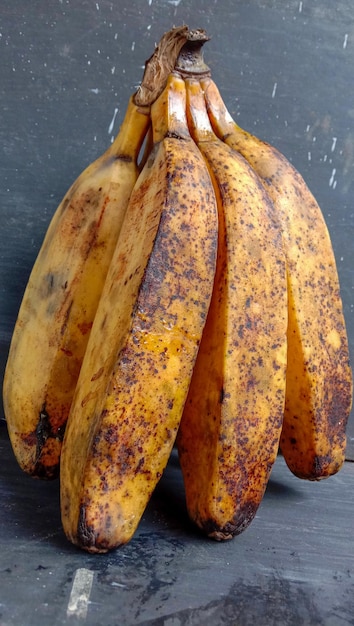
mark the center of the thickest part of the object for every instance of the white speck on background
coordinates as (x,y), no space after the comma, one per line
(309,156)
(97,6)
(325,158)
(274,89)
(334,141)
(150,3)
(95,90)
(174,2)
(133,46)
(300,7)
(80,593)
(308,128)
(331,180)
(148,27)
(111,126)
(113,69)
(345,42)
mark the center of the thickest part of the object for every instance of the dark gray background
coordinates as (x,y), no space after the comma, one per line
(285,69)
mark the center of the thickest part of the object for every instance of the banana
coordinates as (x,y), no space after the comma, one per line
(319,377)
(144,340)
(229,433)
(61,297)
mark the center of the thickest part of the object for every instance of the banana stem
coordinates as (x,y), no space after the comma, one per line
(197,115)
(179,48)
(159,65)
(168,113)
(190,61)
(131,135)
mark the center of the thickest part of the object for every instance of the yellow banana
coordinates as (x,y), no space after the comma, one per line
(144,340)
(61,298)
(319,377)
(65,285)
(229,433)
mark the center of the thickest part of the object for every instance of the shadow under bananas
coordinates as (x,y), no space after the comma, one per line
(31,507)
(168,505)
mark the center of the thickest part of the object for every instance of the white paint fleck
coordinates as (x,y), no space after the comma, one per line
(300,7)
(345,42)
(309,156)
(148,27)
(133,46)
(331,180)
(150,3)
(95,90)
(97,6)
(334,184)
(334,142)
(174,2)
(80,593)
(113,69)
(325,158)
(111,126)
(308,128)
(274,89)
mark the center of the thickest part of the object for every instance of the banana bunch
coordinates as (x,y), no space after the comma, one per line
(186,294)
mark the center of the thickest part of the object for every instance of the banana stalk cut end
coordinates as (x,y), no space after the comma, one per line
(190,61)
(179,48)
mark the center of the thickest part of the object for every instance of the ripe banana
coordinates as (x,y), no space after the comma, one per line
(319,378)
(61,298)
(229,434)
(65,285)
(144,341)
